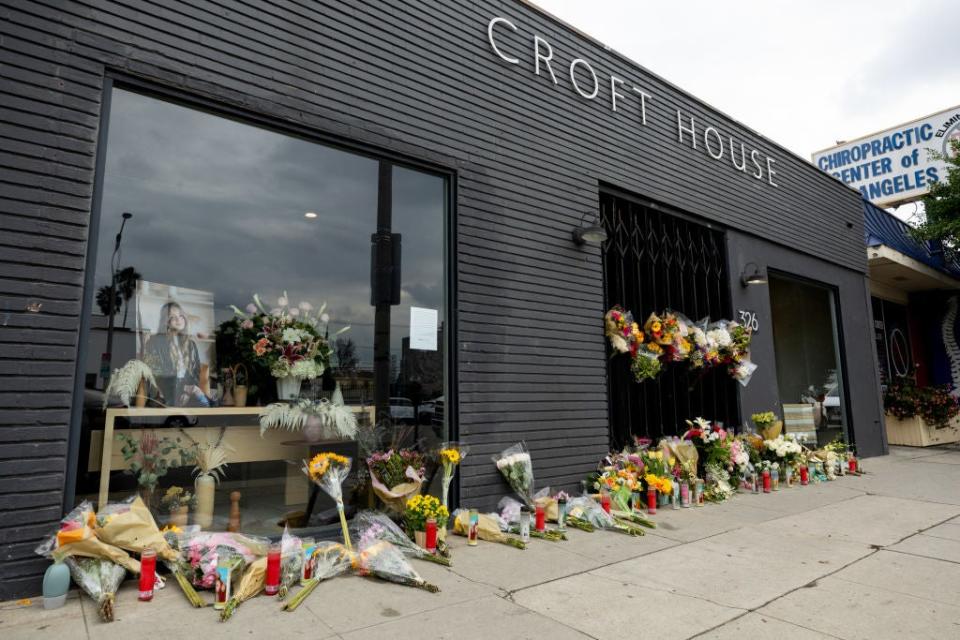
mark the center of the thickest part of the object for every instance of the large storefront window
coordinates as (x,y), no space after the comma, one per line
(809,373)
(230,217)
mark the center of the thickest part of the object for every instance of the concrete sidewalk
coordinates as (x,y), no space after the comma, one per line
(870,557)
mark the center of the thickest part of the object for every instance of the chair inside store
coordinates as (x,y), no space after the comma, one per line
(657,259)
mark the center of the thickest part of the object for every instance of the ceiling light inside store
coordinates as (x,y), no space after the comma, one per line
(310,214)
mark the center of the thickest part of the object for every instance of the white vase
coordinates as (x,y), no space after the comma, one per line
(205,486)
(288,388)
(313,429)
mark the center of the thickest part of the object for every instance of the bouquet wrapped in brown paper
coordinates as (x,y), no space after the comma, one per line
(130,525)
(396,475)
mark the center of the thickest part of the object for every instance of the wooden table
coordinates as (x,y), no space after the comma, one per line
(245,442)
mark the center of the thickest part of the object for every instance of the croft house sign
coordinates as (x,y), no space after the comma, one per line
(625,98)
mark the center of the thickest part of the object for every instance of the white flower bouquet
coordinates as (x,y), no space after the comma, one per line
(517,468)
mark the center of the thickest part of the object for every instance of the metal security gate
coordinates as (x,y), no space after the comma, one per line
(655,260)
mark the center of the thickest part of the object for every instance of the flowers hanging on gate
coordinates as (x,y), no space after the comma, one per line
(672,337)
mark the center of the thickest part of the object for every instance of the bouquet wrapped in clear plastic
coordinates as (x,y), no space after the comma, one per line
(200,551)
(99,579)
(587,510)
(329,559)
(517,468)
(371,526)
(451,454)
(382,560)
(291,562)
(328,471)
(510,516)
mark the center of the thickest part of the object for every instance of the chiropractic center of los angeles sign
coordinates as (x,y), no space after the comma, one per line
(895,165)
(750,161)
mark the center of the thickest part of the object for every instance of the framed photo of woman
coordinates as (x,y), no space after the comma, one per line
(175,338)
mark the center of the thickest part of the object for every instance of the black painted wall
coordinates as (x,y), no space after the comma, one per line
(852,291)
(412,78)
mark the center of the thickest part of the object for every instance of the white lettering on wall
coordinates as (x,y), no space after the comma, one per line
(743,156)
(538,56)
(753,158)
(692,129)
(614,94)
(643,104)
(573,79)
(706,142)
(493,43)
(713,144)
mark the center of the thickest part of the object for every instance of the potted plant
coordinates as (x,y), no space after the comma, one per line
(767,424)
(920,416)
(177,502)
(132,380)
(418,510)
(290,341)
(316,420)
(149,457)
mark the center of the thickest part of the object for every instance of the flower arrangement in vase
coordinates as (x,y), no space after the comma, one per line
(177,501)
(290,341)
(149,457)
(211,462)
(131,381)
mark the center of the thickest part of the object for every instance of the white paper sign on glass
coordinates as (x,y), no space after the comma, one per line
(423,329)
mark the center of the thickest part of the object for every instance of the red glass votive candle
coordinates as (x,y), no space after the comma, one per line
(148,574)
(431,537)
(804,475)
(766,481)
(651,500)
(852,464)
(605,501)
(271,585)
(541,518)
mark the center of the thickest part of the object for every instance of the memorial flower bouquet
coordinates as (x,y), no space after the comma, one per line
(201,551)
(371,526)
(626,337)
(488,528)
(782,450)
(396,475)
(291,562)
(517,468)
(329,559)
(621,330)
(451,454)
(328,471)
(382,560)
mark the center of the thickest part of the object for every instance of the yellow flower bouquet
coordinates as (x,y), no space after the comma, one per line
(451,454)
(328,471)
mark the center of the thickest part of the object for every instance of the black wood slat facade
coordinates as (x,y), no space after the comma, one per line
(416,80)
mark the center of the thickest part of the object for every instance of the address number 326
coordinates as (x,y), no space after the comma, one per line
(749,320)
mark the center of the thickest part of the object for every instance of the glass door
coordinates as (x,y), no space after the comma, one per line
(809,366)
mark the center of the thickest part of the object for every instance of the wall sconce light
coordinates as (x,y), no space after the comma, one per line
(754,276)
(592,234)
